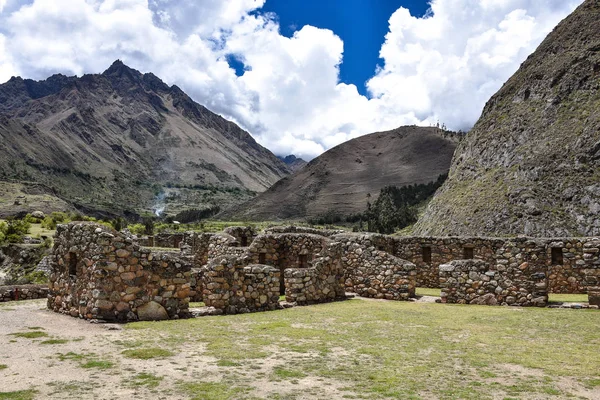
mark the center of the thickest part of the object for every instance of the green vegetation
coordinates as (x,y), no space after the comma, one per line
(428,292)
(146,379)
(211,391)
(99,364)
(395,208)
(54,341)
(3,366)
(13,230)
(19,395)
(567,298)
(396,349)
(147,353)
(29,335)
(86,361)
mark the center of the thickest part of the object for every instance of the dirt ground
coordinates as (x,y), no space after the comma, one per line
(58,371)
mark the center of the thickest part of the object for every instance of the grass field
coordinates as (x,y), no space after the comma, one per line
(356,349)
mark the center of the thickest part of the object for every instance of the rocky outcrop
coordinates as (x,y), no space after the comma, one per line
(531,164)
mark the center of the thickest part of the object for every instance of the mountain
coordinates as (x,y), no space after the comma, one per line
(294,163)
(123,140)
(343,179)
(531,164)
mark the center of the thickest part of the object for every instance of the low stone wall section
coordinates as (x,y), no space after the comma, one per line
(195,245)
(286,250)
(322,281)
(370,271)
(244,235)
(476,282)
(98,273)
(232,287)
(23,292)
(302,229)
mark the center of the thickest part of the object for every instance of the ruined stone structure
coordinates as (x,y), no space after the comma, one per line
(476,282)
(305,268)
(372,271)
(232,287)
(572,265)
(98,273)
(23,292)
(164,239)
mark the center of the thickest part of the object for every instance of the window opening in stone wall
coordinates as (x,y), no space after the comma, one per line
(427,254)
(262,258)
(380,248)
(468,253)
(557,256)
(72,264)
(176,242)
(244,241)
(303,261)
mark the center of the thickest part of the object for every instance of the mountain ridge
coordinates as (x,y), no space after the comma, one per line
(531,164)
(132,129)
(343,179)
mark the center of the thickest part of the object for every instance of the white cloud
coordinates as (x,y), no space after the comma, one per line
(444,66)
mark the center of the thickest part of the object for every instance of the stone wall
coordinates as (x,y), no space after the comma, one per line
(286,250)
(98,273)
(370,271)
(233,287)
(244,235)
(577,262)
(302,229)
(322,281)
(222,244)
(476,282)
(196,245)
(23,292)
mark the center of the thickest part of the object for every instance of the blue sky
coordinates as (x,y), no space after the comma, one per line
(361,24)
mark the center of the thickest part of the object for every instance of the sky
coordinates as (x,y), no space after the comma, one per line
(300,75)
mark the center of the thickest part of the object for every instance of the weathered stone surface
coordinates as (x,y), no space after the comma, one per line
(104,275)
(152,311)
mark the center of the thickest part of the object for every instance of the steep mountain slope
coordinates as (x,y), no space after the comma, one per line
(341,180)
(531,164)
(117,140)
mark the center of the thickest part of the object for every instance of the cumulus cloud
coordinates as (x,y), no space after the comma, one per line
(440,67)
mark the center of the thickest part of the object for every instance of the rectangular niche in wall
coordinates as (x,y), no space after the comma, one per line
(426,254)
(262,258)
(468,253)
(557,256)
(72,264)
(303,261)
(244,241)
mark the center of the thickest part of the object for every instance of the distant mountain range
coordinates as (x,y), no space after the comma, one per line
(343,179)
(294,163)
(123,141)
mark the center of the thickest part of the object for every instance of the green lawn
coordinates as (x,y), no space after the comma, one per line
(376,349)
(567,298)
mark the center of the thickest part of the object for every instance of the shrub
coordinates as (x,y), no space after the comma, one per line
(137,229)
(14,230)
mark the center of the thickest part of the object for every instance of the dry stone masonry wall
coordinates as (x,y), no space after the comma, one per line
(476,282)
(372,272)
(99,273)
(23,292)
(232,287)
